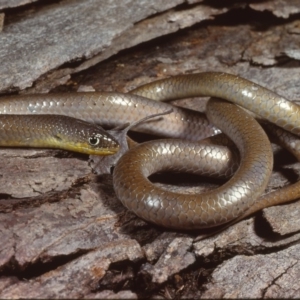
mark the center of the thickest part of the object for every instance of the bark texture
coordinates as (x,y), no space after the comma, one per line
(63,232)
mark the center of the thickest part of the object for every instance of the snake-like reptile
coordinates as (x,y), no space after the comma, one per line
(236,198)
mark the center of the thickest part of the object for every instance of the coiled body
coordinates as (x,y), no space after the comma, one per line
(259,100)
(234,199)
(204,210)
(222,205)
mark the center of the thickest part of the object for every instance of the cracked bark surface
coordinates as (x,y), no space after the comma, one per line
(261,276)
(14,3)
(63,232)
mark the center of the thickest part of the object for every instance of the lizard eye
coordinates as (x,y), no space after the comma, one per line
(94,141)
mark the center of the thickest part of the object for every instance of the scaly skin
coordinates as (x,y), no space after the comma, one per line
(113,109)
(198,211)
(53,131)
(238,197)
(219,206)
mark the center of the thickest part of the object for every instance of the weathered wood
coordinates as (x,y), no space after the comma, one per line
(76,30)
(278,7)
(14,3)
(61,226)
(261,276)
